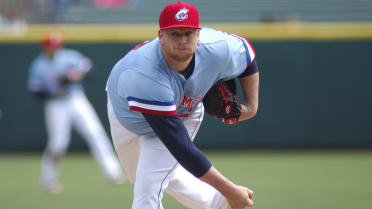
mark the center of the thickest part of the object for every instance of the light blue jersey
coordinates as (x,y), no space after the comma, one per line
(46,74)
(142,81)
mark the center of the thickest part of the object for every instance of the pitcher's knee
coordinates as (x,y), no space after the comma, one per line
(148,195)
(148,200)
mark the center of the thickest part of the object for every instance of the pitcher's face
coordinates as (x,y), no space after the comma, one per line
(179,43)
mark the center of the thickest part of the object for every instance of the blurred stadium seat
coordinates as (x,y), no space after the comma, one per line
(147,11)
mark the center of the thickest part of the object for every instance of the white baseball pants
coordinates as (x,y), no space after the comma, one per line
(61,115)
(153,170)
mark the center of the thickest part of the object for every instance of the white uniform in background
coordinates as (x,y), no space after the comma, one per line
(66,106)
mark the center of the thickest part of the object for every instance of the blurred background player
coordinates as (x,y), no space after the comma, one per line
(55,77)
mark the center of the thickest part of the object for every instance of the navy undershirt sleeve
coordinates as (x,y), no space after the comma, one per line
(251,69)
(173,134)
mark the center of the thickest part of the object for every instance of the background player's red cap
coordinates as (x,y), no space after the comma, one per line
(179,15)
(52,41)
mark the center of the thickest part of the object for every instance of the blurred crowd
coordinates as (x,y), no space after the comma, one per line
(12,22)
(19,12)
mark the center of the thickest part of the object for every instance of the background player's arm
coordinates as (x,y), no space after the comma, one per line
(78,72)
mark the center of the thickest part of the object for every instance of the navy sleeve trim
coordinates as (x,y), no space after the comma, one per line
(251,69)
(173,134)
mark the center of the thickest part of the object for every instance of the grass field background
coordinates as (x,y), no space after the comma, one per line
(280,180)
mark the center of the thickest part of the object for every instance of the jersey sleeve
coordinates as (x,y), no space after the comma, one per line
(34,83)
(37,83)
(251,69)
(241,55)
(78,61)
(148,94)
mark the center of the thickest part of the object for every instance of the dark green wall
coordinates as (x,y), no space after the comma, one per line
(313,94)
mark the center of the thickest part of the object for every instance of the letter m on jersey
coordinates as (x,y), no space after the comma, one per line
(187,101)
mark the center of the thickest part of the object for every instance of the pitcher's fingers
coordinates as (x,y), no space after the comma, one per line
(250,193)
(250,203)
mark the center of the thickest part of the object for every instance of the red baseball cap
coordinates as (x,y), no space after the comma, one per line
(52,41)
(179,15)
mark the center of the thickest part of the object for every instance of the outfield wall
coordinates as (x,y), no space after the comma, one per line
(315,91)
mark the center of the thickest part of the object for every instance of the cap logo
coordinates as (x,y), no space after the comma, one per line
(182,15)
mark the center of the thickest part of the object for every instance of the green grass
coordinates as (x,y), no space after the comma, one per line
(280,180)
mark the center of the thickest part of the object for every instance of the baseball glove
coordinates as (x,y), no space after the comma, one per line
(221,101)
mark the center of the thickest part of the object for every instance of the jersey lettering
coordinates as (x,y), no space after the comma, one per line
(187,101)
(197,99)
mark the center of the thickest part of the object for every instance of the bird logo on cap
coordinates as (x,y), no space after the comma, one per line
(182,15)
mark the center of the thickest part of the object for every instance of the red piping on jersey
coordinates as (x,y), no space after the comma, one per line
(153,112)
(184,115)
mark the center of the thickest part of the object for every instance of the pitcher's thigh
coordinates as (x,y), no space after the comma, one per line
(155,165)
